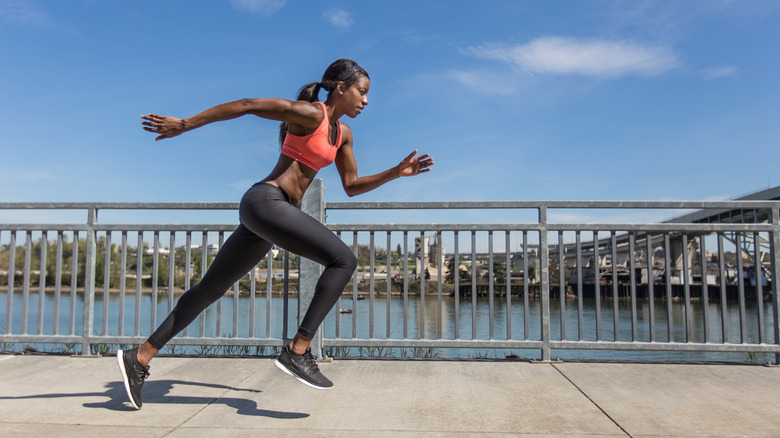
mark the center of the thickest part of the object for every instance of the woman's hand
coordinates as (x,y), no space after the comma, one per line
(166,126)
(412,165)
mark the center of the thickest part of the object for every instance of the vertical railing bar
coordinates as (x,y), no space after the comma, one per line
(406,285)
(236,296)
(106,283)
(508,269)
(525,285)
(42,280)
(58,288)
(759,286)
(187,267)
(269,292)
(11,280)
(389,284)
(74,277)
(705,289)
(122,284)
(597,281)
(741,283)
(88,315)
(473,285)
(491,291)
(371,262)
(171,269)
(686,288)
(155,280)
(26,286)
(456,276)
(668,281)
(139,255)
(204,262)
(439,269)
(632,281)
(544,287)
(580,304)
(423,263)
(355,249)
(562,284)
(218,330)
(650,283)
(285,294)
(252,300)
(724,317)
(615,300)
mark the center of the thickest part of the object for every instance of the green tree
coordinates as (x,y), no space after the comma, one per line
(452,269)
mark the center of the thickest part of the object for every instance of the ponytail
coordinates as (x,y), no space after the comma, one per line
(343,70)
(310,93)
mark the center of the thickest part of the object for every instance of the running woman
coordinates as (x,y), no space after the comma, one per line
(312,137)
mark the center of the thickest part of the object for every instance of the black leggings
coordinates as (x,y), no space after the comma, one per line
(267,218)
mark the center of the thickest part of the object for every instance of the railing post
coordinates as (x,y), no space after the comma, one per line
(313,204)
(544,266)
(89,283)
(775,252)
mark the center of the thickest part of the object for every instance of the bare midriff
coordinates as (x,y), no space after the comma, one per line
(292,177)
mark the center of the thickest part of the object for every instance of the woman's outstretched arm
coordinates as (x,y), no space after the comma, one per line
(302,113)
(355,185)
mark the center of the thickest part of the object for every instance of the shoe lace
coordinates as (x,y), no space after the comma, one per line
(311,363)
(142,372)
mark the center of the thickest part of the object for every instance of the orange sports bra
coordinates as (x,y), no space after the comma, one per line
(313,150)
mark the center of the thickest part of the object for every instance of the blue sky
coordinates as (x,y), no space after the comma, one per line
(516,100)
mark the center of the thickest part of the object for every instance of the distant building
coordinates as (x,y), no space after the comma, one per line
(432,260)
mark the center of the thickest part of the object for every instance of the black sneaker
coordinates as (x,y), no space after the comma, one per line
(133,374)
(302,367)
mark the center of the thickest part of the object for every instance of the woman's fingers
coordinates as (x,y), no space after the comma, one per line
(412,165)
(410,156)
(163,125)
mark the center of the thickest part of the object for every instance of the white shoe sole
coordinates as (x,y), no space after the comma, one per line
(286,371)
(121,361)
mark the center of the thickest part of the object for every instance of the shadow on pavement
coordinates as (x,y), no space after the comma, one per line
(156,392)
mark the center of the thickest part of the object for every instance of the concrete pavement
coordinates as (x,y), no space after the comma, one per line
(48,396)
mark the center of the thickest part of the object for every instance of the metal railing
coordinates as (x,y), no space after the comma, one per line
(671,287)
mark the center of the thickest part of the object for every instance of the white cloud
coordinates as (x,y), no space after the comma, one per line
(486,81)
(587,57)
(259,7)
(24,13)
(413,37)
(339,18)
(718,72)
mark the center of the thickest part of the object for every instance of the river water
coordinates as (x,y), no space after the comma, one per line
(341,324)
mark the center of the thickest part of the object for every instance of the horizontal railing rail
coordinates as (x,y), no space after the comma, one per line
(534,285)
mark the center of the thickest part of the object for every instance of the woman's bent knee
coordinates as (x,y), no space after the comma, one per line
(348,262)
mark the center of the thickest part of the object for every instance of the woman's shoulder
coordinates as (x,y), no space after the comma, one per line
(346,134)
(313,114)
(315,110)
(344,127)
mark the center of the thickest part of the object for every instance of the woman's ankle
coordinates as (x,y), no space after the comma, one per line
(145,353)
(299,344)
